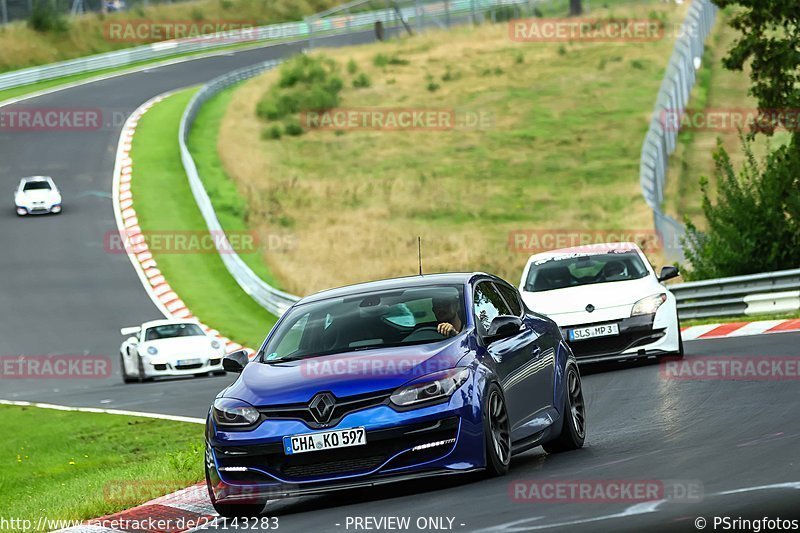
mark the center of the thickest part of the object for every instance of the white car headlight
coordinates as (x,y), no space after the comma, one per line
(215,344)
(649,305)
(431,388)
(152,350)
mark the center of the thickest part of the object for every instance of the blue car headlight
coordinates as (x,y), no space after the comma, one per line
(431,388)
(233,413)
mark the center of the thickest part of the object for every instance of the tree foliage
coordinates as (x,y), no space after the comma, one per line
(755,224)
(770,42)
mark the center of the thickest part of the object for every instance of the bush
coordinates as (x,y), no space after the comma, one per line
(361,81)
(273,132)
(45,17)
(381,60)
(755,224)
(305,83)
(293,128)
(352,67)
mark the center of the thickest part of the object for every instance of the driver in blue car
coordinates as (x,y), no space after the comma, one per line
(446,310)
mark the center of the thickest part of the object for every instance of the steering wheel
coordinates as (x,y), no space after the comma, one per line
(420,332)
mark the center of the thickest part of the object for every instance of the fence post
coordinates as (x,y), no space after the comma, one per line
(4,9)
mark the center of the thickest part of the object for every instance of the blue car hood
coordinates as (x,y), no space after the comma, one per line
(343,374)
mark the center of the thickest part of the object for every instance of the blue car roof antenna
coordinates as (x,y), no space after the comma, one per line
(419,252)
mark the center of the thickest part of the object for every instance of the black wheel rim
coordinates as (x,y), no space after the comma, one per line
(498,426)
(576,405)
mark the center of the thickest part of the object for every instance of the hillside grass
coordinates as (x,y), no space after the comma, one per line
(561,153)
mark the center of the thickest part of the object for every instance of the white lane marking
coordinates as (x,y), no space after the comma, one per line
(174,418)
(788,485)
(639,508)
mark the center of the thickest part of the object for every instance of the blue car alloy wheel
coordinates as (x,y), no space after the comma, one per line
(391,380)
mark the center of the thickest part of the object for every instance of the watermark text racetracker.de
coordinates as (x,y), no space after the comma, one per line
(534,241)
(726,368)
(586,30)
(196,242)
(397,119)
(605,490)
(145,30)
(55,367)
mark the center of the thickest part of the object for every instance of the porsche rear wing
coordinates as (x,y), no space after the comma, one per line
(134,330)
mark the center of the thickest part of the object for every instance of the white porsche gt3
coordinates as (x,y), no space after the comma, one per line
(169,348)
(607,300)
(37,195)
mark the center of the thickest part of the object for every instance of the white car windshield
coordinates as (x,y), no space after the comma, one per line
(572,271)
(168,331)
(36,186)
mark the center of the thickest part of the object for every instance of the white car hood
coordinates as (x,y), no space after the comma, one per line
(181,347)
(611,300)
(38,196)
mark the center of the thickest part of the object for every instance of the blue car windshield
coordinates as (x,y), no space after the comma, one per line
(380,319)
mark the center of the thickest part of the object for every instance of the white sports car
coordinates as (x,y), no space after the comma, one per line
(607,300)
(169,348)
(37,195)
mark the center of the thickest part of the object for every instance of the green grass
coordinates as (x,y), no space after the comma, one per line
(229,204)
(740,318)
(73,465)
(164,202)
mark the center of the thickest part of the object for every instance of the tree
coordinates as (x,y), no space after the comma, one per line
(770,41)
(755,224)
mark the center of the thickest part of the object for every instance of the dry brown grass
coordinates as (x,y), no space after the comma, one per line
(562,154)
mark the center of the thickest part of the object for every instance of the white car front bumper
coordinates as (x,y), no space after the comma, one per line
(639,336)
(180,367)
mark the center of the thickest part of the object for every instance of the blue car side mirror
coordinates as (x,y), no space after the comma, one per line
(235,361)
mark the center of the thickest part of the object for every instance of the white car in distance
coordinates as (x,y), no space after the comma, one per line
(607,299)
(37,195)
(169,348)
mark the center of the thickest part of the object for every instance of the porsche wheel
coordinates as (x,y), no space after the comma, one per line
(125,377)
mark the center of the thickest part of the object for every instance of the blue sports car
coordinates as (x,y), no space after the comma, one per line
(390,380)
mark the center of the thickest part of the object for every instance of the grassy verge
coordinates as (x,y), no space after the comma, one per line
(164,202)
(70,465)
(741,318)
(560,153)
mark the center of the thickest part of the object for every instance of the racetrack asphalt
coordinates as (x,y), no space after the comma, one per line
(62,293)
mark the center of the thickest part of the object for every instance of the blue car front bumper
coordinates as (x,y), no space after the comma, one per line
(440,439)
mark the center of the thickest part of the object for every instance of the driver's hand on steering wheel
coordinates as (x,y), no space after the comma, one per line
(447,329)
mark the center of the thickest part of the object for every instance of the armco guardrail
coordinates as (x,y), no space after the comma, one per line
(316,27)
(268,297)
(770,292)
(661,137)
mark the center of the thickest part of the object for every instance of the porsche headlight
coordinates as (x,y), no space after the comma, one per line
(215,344)
(230,412)
(431,388)
(152,350)
(649,305)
